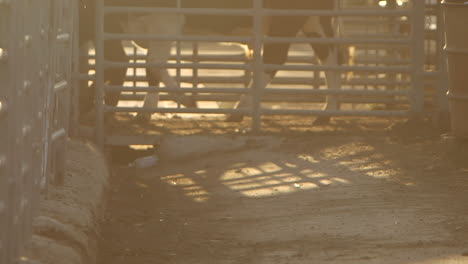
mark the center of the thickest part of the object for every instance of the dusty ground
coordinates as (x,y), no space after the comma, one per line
(351,192)
(354,191)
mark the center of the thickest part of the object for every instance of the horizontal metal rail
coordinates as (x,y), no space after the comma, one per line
(251,11)
(263,111)
(266,91)
(341,12)
(185,11)
(221,38)
(364,59)
(116,36)
(177,90)
(177,110)
(240,79)
(278,98)
(319,81)
(341,68)
(380,113)
(133,140)
(221,66)
(372,40)
(212,66)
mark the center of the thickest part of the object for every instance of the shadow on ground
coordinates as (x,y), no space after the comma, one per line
(389,196)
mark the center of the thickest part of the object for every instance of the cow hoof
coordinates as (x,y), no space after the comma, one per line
(189,102)
(235,118)
(143,118)
(321,120)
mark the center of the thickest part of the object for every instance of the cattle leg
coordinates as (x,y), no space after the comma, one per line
(328,55)
(333,81)
(159,52)
(273,53)
(86,95)
(246,100)
(113,51)
(151,99)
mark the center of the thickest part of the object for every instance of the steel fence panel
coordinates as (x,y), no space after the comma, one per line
(401,29)
(99,96)
(34,109)
(5,81)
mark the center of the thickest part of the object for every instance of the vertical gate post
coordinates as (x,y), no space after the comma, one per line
(75,79)
(7,159)
(196,61)
(418,54)
(99,82)
(258,65)
(442,74)
(179,61)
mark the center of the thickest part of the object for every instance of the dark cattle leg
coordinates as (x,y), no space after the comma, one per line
(273,53)
(86,26)
(113,51)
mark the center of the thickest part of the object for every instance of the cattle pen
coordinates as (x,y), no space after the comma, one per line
(236,185)
(396,61)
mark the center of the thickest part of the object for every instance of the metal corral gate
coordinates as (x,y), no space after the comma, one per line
(408,79)
(435,77)
(35,72)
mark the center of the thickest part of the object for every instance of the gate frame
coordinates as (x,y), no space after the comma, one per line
(416,15)
(35,68)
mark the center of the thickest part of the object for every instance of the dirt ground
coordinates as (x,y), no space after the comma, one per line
(356,191)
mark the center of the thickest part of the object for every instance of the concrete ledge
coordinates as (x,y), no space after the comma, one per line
(67,228)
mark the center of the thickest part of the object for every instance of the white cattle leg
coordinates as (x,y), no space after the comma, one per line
(333,79)
(158,51)
(333,82)
(328,57)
